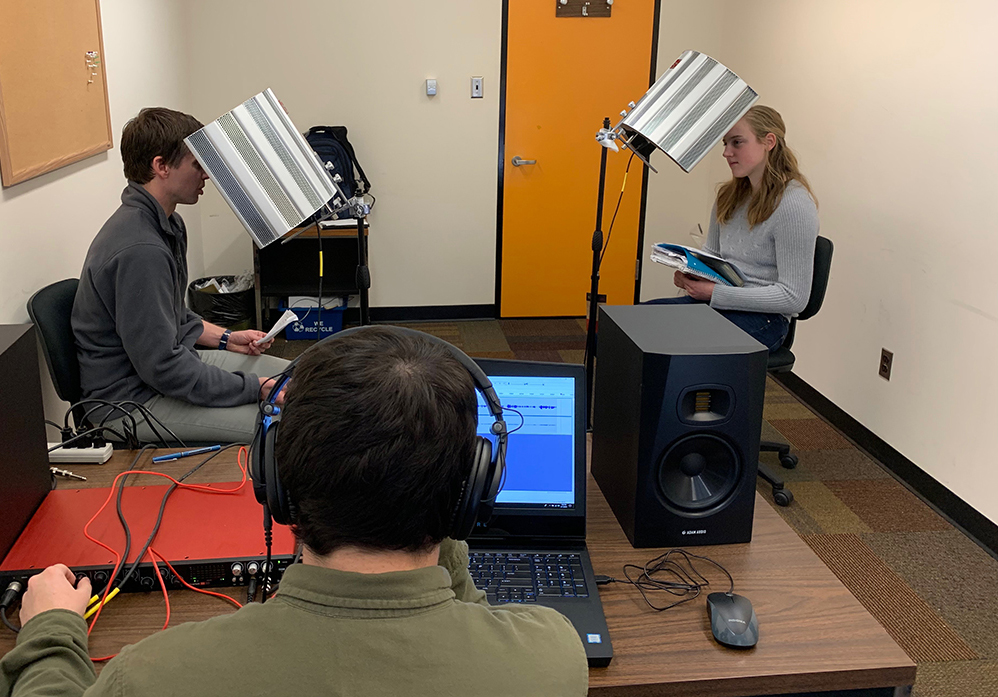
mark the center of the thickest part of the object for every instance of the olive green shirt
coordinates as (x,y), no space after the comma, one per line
(422,632)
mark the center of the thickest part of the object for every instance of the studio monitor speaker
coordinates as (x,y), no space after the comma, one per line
(25,479)
(676,424)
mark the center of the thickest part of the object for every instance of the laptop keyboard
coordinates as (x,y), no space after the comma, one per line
(509,577)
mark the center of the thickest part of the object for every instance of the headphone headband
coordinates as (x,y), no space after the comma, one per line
(479,489)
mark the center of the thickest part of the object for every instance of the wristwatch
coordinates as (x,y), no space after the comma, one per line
(224,341)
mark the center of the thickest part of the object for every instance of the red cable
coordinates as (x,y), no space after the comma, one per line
(193,588)
(243,453)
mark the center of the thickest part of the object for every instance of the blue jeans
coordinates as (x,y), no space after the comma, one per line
(768,329)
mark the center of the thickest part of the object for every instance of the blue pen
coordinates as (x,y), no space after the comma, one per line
(186,453)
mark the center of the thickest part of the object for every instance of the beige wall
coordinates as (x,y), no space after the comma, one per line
(432,160)
(891,106)
(47,223)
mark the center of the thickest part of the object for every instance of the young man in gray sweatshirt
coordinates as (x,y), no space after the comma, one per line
(136,340)
(375,449)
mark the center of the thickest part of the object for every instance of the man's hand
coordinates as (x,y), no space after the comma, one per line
(55,588)
(266,385)
(242,342)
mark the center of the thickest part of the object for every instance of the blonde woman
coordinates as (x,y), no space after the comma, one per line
(764,220)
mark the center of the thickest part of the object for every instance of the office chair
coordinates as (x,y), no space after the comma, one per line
(782,361)
(51,309)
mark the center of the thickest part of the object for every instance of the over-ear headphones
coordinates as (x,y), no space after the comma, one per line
(478,492)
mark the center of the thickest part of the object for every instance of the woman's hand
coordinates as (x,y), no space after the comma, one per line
(696,288)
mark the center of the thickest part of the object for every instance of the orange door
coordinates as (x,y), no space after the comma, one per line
(563,75)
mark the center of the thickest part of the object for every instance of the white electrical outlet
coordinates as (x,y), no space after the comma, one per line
(90,456)
(476,88)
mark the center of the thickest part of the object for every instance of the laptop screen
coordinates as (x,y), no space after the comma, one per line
(545,485)
(540,454)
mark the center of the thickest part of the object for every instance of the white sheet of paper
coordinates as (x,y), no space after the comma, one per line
(287,318)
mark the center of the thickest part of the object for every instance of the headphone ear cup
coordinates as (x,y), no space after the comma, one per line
(257,469)
(277,500)
(466,513)
(493,480)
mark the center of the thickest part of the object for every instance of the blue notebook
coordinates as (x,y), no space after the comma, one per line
(697,262)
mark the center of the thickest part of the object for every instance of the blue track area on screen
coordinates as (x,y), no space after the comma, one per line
(539,462)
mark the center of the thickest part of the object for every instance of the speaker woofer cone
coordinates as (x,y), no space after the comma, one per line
(698,472)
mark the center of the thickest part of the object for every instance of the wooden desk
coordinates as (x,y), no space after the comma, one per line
(814,635)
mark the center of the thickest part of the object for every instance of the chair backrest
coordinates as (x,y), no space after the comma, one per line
(823,248)
(51,310)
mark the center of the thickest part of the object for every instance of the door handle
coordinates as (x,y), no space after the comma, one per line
(517,161)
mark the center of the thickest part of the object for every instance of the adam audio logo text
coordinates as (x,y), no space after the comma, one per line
(694,532)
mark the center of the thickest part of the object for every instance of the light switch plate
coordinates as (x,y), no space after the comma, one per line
(477,90)
(431,88)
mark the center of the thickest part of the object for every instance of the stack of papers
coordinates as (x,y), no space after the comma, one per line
(697,262)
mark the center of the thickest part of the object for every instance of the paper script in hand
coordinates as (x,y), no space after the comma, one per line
(287,318)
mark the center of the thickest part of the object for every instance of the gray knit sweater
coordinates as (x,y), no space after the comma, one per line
(776,256)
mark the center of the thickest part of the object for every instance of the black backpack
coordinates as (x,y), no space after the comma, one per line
(331,145)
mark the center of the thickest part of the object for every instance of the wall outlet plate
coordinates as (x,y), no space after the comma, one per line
(89,456)
(431,87)
(886,361)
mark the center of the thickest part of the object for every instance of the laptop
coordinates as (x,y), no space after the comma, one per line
(533,550)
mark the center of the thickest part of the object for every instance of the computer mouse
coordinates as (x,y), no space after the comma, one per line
(732,620)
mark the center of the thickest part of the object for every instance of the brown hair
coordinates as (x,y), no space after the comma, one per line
(376,440)
(781,169)
(155,132)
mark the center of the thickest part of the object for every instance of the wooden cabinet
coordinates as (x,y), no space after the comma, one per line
(293,268)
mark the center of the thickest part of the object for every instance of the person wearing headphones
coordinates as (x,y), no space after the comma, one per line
(765,221)
(376,454)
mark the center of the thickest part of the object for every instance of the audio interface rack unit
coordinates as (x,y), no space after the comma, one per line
(211,540)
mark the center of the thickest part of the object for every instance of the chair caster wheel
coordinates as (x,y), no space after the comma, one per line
(789,461)
(782,497)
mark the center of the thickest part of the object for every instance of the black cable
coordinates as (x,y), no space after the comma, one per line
(110,405)
(103,402)
(53,423)
(10,594)
(686,583)
(133,435)
(606,245)
(6,622)
(150,417)
(86,434)
(318,234)
(619,199)
(162,507)
(268,538)
(121,515)
(509,433)
(120,406)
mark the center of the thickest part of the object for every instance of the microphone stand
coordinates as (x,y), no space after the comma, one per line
(597,246)
(363,273)
(357,208)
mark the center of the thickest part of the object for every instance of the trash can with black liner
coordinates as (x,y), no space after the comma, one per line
(230,310)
